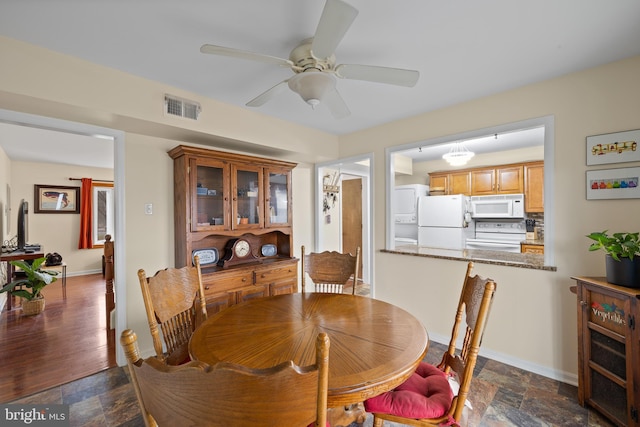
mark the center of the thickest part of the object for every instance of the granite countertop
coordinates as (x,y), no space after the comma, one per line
(521,260)
(535,242)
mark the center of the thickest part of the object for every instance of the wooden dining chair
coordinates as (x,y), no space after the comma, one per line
(174,300)
(226,394)
(428,398)
(330,271)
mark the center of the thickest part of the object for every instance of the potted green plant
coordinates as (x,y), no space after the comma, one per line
(31,285)
(623,256)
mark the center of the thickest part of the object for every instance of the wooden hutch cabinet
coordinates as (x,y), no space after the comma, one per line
(609,349)
(220,197)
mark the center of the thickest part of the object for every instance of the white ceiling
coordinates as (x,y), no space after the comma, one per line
(463,49)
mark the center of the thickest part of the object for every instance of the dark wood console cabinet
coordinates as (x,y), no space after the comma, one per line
(220,196)
(609,349)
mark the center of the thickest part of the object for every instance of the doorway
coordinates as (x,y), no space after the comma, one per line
(352,216)
(344,216)
(46,123)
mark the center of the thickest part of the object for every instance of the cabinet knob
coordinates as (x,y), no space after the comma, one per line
(206,288)
(244,279)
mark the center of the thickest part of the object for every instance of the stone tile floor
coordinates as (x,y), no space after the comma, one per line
(501,395)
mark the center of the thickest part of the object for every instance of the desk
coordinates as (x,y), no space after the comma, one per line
(16,256)
(375,346)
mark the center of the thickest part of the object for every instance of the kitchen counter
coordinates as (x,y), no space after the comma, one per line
(535,242)
(520,260)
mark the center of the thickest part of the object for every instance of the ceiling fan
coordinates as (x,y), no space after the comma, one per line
(314,64)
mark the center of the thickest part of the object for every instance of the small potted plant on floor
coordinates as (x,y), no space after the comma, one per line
(30,285)
(623,256)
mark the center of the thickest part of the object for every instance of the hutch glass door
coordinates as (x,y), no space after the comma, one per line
(247,195)
(209,210)
(277,202)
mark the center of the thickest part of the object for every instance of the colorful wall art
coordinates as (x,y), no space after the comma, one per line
(613,184)
(616,147)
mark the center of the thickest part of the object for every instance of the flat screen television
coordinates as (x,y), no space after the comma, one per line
(23,225)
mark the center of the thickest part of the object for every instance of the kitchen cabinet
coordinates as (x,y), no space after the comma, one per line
(221,196)
(503,179)
(499,180)
(609,349)
(458,182)
(534,187)
(439,182)
(531,248)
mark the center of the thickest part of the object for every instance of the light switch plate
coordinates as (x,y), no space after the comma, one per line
(148,208)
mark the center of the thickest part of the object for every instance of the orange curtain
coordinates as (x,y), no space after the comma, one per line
(86,240)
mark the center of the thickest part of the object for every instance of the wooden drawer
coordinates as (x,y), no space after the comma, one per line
(276,273)
(227,281)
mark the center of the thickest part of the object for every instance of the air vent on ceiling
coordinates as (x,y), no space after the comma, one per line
(181,107)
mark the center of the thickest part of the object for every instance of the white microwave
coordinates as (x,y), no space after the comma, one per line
(498,206)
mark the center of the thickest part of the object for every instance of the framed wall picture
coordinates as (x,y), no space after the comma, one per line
(56,199)
(613,184)
(616,147)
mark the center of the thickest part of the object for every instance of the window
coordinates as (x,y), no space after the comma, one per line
(103,221)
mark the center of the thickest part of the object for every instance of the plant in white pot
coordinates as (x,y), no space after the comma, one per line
(623,256)
(31,285)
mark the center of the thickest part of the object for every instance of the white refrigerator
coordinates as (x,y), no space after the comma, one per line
(444,221)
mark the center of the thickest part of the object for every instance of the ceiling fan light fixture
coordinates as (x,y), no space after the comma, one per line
(458,155)
(312,86)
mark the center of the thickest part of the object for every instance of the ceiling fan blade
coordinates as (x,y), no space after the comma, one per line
(336,104)
(268,94)
(337,17)
(244,54)
(393,76)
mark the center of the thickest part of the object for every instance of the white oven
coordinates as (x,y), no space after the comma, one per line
(502,206)
(504,236)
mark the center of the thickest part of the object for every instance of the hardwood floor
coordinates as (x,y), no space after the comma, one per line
(66,342)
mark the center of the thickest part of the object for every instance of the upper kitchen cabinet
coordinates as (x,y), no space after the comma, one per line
(220,196)
(458,182)
(507,179)
(534,187)
(439,183)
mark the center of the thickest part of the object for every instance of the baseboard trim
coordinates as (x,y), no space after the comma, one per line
(83,273)
(545,371)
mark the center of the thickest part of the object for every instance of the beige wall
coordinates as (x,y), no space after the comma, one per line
(533,322)
(55,232)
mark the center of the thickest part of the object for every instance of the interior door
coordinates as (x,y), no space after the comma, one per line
(352,217)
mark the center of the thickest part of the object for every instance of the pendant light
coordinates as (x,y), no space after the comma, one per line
(458,155)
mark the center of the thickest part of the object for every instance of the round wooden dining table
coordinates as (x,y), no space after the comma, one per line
(374,346)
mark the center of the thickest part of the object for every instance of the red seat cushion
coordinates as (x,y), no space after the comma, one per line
(426,394)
